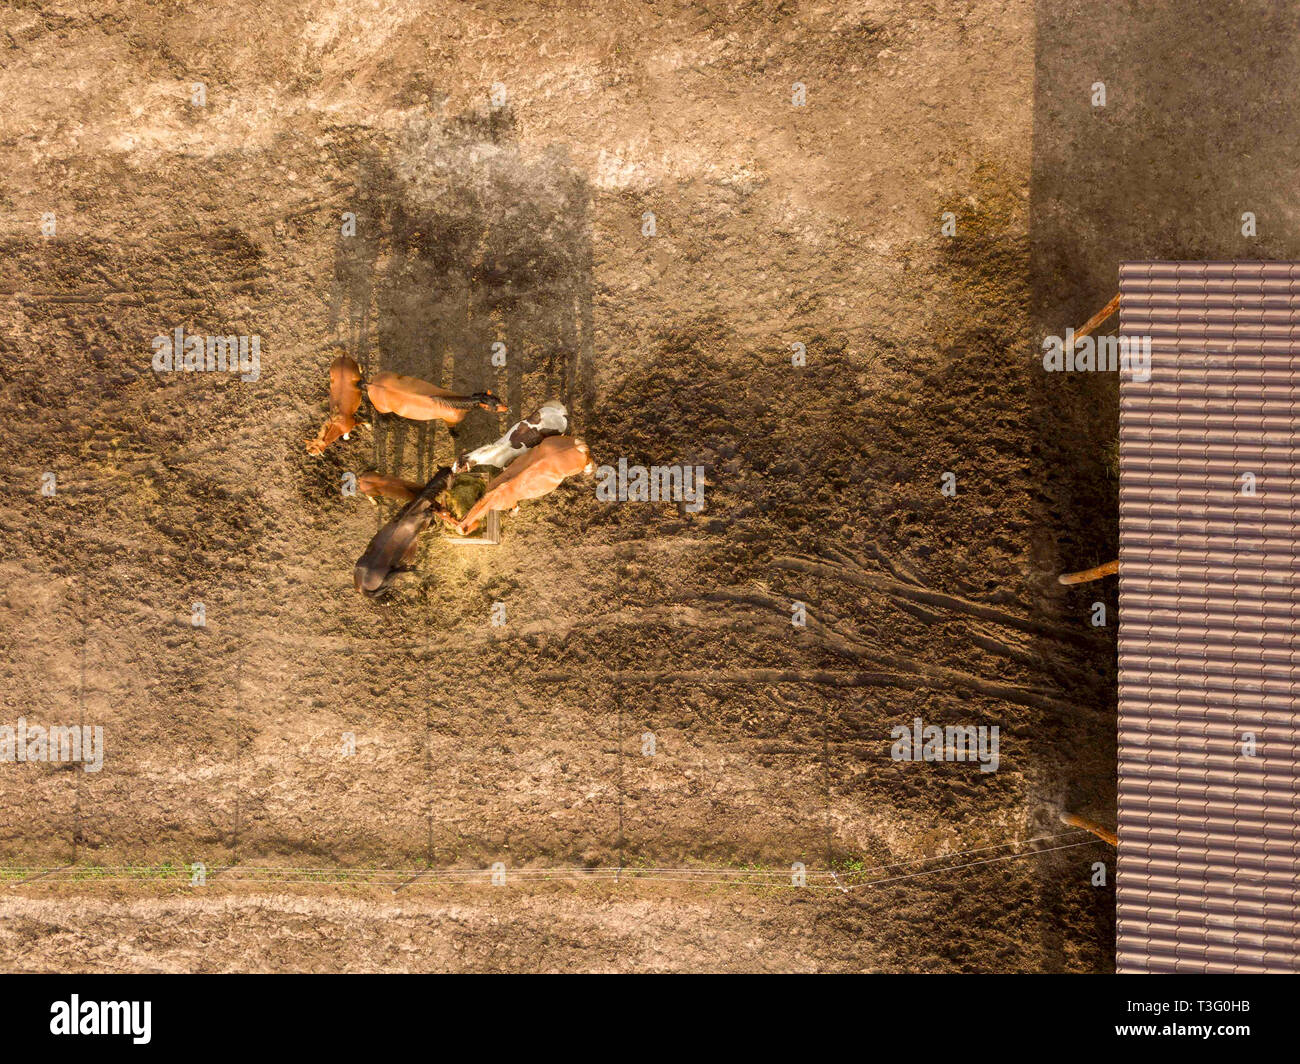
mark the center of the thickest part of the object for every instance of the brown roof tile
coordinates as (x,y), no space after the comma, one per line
(1209,851)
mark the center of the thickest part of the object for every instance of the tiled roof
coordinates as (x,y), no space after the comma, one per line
(1209,836)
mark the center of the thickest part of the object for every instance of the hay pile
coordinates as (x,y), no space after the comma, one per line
(464,491)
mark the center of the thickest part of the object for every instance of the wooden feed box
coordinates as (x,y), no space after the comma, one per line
(488,534)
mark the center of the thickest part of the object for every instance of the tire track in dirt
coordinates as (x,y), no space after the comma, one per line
(927,597)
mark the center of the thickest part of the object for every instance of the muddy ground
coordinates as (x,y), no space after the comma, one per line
(523,744)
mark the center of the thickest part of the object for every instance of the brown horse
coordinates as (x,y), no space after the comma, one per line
(410,397)
(383,486)
(345,399)
(537,473)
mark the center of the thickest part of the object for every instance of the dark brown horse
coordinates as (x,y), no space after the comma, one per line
(395,543)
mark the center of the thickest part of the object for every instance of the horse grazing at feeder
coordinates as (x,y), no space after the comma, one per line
(395,544)
(380,485)
(550,419)
(537,473)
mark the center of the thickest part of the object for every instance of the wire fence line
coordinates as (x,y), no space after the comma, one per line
(843,880)
(844,876)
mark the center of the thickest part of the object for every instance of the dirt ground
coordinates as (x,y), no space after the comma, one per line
(523,744)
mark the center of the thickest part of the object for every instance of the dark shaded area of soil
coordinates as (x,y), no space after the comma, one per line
(1198,127)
